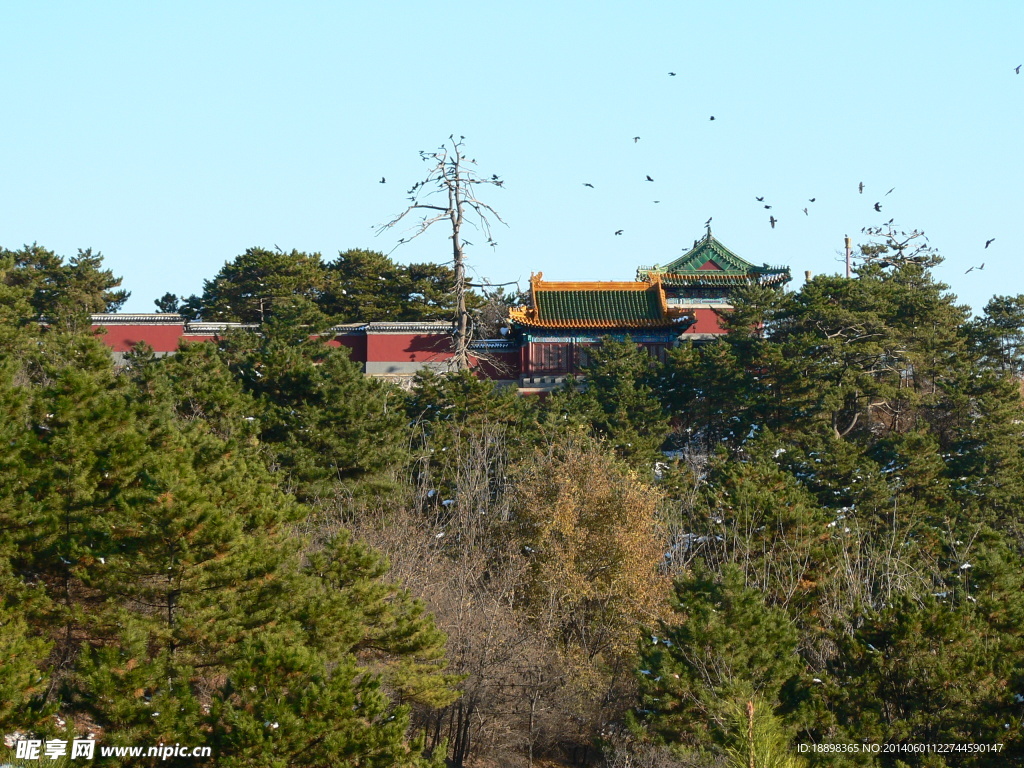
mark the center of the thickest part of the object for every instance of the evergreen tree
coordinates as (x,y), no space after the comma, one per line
(466,433)
(261,285)
(367,286)
(23,653)
(617,399)
(201,388)
(922,671)
(727,647)
(16,313)
(64,294)
(999,334)
(331,429)
(168,303)
(319,711)
(352,611)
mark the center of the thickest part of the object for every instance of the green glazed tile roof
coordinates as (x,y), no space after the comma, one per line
(731,268)
(606,305)
(615,307)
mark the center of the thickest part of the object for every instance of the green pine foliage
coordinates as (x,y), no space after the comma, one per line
(351,610)
(616,400)
(367,286)
(154,586)
(202,390)
(844,515)
(920,671)
(861,450)
(262,285)
(999,334)
(328,428)
(286,705)
(724,647)
(63,293)
(450,415)
(23,653)
(300,289)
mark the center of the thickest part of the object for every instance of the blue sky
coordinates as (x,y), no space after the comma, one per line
(173,136)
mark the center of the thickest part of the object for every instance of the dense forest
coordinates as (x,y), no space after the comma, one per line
(808,532)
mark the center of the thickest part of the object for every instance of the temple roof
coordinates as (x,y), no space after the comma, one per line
(601,305)
(709,263)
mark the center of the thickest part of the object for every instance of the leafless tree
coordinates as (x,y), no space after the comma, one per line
(450,176)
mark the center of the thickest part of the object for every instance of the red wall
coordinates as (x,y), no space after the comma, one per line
(354,342)
(162,338)
(707,322)
(499,365)
(407,348)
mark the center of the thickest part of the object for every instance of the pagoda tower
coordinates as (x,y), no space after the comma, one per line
(701,281)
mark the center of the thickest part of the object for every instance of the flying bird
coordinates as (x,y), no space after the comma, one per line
(671,74)
(878,207)
(806,213)
(989,242)
(1017,68)
(712,117)
(969,271)
(588,184)
(772,220)
(649,178)
(812,200)
(759,199)
(767,207)
(656,201)
(891,190)
(383,180)
(619,231)
(636,139)
(860,187)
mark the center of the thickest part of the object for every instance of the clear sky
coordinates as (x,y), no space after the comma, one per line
(172,136)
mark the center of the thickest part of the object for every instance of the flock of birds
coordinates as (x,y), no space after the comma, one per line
(772,221)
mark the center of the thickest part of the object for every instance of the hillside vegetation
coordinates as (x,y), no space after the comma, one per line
(807,532)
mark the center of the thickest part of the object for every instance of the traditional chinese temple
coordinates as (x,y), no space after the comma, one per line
(547,339)
(702,280)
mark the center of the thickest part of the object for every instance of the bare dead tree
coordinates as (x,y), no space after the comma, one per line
(451,177)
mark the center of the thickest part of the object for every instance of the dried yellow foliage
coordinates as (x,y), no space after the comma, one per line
(591,529)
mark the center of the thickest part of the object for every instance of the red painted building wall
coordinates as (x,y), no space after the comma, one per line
(408,347)
(707,322)
(121,338)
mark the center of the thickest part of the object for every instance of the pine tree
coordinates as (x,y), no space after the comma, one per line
(284,705)
(261,285)
(64,294)
(367,286)
(920,671)
(617,398)
(725,648)
(331,430)
(23,652)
